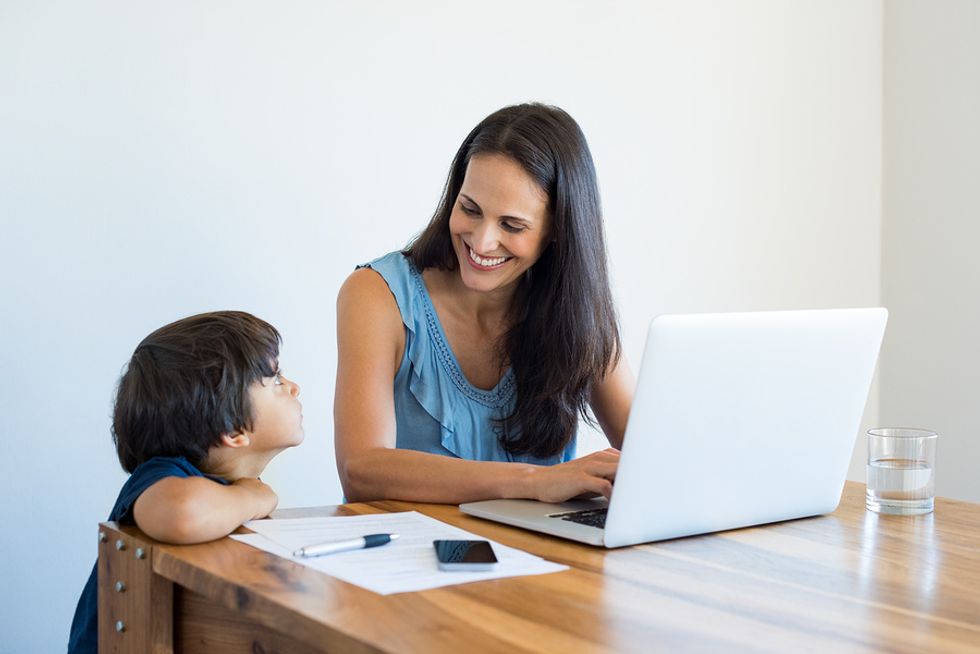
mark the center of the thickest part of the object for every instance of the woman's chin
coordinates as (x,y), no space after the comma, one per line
(485,283)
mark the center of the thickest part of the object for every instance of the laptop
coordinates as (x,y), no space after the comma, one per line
(738,419)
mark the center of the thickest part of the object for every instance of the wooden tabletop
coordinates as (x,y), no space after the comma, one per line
(850,581)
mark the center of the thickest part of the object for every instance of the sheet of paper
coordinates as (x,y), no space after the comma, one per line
(405,565)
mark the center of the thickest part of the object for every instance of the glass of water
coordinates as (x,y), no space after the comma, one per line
(901,471)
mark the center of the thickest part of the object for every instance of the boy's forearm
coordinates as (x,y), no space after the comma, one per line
(196,510)
(219,512)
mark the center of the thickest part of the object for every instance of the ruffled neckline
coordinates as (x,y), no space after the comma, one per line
(494,398)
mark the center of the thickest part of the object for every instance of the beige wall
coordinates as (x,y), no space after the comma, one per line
(160,160)
(930,366)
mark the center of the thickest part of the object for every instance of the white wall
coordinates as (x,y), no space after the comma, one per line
(160,160)
(930,372)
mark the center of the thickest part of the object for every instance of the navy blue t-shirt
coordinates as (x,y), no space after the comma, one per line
(84,637)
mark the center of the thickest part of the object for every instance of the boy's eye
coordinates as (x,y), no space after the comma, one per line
(277,379)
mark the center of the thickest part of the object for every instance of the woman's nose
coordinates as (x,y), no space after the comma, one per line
(485,238)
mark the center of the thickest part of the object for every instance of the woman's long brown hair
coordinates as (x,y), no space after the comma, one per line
(564,335)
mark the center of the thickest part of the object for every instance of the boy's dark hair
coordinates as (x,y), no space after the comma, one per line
(188,383)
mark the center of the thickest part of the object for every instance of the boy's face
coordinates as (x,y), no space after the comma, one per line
(277,414)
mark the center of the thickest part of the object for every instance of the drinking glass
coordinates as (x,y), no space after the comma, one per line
(901,470)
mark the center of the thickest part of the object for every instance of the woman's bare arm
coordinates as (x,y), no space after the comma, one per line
(611,400)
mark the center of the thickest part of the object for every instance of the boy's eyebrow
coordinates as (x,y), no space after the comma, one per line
(517,218)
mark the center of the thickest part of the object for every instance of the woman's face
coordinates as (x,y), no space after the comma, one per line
(500,223)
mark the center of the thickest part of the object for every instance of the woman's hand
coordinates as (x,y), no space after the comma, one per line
(591,474)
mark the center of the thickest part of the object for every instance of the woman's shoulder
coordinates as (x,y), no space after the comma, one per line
(366,289)
(377,290)
(392,265)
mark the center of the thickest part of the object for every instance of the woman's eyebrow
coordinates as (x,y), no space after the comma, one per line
(471,200)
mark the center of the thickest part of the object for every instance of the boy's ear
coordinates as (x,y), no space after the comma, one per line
(236,439)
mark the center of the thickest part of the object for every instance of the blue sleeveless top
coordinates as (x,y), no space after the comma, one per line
(436,409)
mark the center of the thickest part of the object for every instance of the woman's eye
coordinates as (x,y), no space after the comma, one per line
(513,229)
(468,211)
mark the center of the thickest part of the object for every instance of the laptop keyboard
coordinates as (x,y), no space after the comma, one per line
(590,517)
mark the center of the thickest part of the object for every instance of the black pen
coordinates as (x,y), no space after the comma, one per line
(371,540)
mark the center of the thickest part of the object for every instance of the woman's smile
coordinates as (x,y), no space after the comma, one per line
(485,263)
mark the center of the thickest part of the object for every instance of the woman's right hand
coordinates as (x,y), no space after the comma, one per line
(591,474)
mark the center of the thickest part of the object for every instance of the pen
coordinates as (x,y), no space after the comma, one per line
(371,540)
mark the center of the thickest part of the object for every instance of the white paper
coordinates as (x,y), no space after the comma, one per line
(404,565)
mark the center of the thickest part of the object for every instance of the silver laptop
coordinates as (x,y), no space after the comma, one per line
(738,419)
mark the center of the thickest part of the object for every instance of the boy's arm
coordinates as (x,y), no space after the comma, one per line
(184,510)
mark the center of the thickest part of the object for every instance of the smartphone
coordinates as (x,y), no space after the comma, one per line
(465,555)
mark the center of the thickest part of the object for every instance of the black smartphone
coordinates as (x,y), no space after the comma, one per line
(465,555)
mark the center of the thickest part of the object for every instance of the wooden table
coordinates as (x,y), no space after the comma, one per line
(849,581)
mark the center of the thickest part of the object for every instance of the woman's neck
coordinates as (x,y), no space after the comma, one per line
(489,309)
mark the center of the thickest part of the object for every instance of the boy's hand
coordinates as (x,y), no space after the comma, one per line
(264,498)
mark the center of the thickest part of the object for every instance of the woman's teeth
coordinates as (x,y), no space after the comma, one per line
(487,262)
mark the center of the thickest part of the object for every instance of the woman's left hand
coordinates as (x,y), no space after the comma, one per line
(592,474)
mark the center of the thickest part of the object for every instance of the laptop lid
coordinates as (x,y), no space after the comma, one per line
(738,419)
(742,419)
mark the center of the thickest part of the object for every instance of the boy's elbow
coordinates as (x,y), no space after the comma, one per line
(174,531)
(188,528)
(180,532)
(183,524)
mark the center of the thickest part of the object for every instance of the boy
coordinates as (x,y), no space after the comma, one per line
(200,410)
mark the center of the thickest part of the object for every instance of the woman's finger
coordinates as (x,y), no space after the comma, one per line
(603,469)
(601,486)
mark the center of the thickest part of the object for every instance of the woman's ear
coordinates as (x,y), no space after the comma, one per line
(236,439)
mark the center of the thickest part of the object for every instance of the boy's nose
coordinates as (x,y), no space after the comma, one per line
(291,385)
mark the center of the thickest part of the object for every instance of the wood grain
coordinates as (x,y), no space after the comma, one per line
(135,605)
(849,581)
(204,627)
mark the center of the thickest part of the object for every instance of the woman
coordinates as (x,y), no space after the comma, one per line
(466,360)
